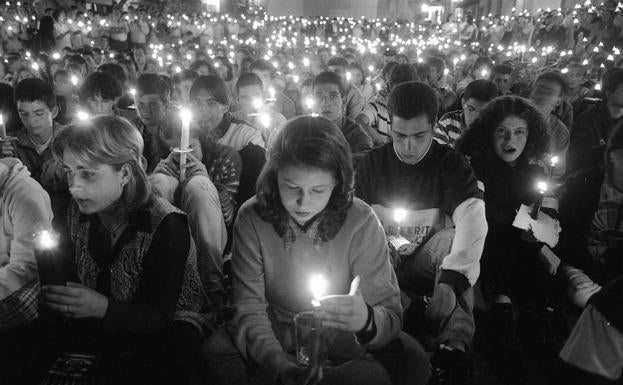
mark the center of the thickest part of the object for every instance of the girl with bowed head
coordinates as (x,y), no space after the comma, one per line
(139,288)
(305,221)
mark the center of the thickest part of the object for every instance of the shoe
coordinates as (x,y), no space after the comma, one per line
(451,367)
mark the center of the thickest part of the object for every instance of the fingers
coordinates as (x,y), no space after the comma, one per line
(63,290)
(60,299)
(75,284)
(335,325)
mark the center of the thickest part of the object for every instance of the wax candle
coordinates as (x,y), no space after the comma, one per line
(186,116)
(542,188)
(2,127)
(49,265)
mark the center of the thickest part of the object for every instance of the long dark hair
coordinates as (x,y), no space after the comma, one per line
(477,140)
(313,142)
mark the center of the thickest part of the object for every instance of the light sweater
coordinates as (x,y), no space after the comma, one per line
(270,281)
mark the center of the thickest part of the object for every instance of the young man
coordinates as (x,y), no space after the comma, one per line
(547,93)
(374,118)
(452,124)
(328,98)
(591,129)
(282,104)
(254,110)
(501,77)
(99,94)
(426,194)
(352,100)
(36,106)
(152,101)
(181,82)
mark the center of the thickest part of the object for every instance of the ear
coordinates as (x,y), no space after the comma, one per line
(126,173)
(54,112)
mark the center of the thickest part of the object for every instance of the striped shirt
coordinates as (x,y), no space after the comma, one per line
(450,127)
(378,115)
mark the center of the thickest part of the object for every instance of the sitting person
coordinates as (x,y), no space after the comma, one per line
(139,295)
(99,94)
(328,91)
(453,124)
(24,209)
(304,220)
(591,242)
(503,143)
(443,225)
(181,83)
(254,110)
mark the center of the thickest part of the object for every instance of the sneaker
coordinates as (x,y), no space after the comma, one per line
(450,367)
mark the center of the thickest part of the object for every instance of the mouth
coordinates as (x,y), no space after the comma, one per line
(508,150)
(302,214)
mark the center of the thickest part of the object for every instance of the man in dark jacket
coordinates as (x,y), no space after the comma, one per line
(592,128)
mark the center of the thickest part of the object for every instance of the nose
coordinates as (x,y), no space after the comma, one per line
(302,199)
(410,144)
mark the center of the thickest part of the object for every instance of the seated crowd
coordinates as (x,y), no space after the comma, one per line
(416,202)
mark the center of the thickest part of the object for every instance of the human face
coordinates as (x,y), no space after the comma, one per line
(328,101)
(324,57)
(615,98)
(502,81)
(36,117)
(471,110)
(304,191)
(264,77)
(509,139)
(151,109)
(99,106)
(181,91)
(247,96)
(576,77)
(546,95)
(339,70)
(411,137)
(94,187)
(208,110)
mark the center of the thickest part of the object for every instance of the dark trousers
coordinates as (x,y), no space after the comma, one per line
(402,361)
(171,356)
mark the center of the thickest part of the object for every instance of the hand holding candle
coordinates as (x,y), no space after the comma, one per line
(346,312)
(183,150)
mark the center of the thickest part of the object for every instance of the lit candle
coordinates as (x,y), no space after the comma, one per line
(49,265)
(82,115)
(186,116)
(74,80)
(318,286)
(542,188)
(2,127)
(309,103)
(272,92)
(399,215)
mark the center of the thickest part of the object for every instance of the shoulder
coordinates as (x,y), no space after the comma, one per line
(377,156)
(248,211)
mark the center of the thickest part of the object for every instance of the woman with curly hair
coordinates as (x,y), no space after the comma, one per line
(304,221)
(505,144)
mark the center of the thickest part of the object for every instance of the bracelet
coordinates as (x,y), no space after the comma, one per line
(368,320)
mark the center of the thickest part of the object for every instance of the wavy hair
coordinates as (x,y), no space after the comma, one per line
(108,139)
(312,142)
(477,140)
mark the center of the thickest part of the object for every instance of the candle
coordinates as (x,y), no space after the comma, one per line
(349,76)
(542,188)
(318,286)
(2,127)
(74,80)
(399,215)
(81,115)
(185,115)
(272,92)
(49,264)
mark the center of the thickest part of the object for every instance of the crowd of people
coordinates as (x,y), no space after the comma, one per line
(171,180)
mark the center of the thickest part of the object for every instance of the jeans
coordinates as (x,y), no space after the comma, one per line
(199,199)
(418,275)
(402,361)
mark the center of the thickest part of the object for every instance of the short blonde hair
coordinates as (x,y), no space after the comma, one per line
(112,140)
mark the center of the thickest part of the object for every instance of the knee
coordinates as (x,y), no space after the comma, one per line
(200,192)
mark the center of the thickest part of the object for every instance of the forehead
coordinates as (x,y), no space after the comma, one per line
(547,85)
(250,90)
(336,68)
(498,75)
(32,106)
(475,103)
(411,126)
(306,176)
(326,87)
(513,122)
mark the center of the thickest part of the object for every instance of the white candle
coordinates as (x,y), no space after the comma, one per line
(2,127)
(185,140)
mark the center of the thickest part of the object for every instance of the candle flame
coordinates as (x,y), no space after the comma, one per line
(74,80)
(185,115)
(542,187)
(81,115)
(399,214)
(318,286)
(554,161)
(46,240)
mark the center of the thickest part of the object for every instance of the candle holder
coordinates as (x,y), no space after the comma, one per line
(183,154)
(308,337)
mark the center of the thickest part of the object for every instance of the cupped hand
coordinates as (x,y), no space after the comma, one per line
(74,301)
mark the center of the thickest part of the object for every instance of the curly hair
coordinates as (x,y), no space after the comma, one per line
(477,140)
(313,142)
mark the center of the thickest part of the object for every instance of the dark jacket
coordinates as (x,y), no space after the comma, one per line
(588,138)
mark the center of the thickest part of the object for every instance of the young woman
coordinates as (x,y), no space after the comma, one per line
(138,288)
(304,221)
(503,144)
